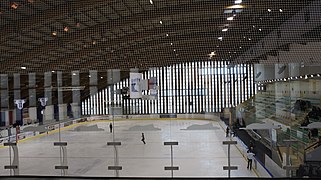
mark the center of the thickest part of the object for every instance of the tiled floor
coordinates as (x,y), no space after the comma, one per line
(199,153)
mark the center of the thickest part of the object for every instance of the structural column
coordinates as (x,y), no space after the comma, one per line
(62,108)
(93,91)
(48,113)
(4,118)
(113,76)
(75,106)
(17,98)
(32,98)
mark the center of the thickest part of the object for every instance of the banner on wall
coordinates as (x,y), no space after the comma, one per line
(135,85)
(152,86)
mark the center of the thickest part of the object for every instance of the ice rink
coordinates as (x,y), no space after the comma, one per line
(199,152)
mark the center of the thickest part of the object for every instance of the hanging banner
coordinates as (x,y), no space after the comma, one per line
(135,89)
(152,86)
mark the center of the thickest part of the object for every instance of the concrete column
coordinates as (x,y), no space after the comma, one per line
(93,90)
(48,88)
(75,110)
(32,114)
(32,98)
(62,109)
(75,106)
(17,96)
(48,114)
(4,96)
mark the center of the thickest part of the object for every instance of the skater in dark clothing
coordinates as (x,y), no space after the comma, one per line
(143,138)
(227,131)
(111,128)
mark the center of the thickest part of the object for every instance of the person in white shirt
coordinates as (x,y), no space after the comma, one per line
(250,157)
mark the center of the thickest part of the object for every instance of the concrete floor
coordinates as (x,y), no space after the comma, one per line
(200,152)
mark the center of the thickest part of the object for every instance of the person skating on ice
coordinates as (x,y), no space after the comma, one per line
(143,138)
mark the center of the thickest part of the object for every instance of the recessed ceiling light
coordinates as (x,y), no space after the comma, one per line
(54,33)
(238,1)
(269,10)
(171,44)
(230,18)
(53,71)
(66,28)
(150,1)
(249,39)
(280,10)
(14,5)
(101,77)
(23,67)
(212,54)
(160,22)
(225,29)
(260,29)
(167,35)
(174,49)
(89,76)
(240,47)
(220,38)
(74,74)
(253,26)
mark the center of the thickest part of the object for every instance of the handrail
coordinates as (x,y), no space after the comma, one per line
(279,152)
(312,145)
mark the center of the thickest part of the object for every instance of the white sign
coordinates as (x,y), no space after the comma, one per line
(19,103)
(135,85)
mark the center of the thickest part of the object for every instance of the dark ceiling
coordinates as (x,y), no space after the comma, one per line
(124,34)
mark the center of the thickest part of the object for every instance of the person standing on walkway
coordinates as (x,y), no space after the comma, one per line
(227,131)
(143,138)
(250,157)
(111,127)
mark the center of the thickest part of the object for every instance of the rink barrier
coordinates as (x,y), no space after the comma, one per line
(258,167)
(53,127)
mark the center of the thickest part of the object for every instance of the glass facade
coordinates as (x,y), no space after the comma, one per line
(195,87)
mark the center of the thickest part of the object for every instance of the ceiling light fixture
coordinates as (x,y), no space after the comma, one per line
(151,2)
(260,29)
(235,7)
(54,33)
(225,29)
(238,1)
(167,35)
(280,10)
(171,44)
(220,38)
(160,22)
(230,18)
(212,54)
(14,5)
(66,28)
(23,67)
(269,10)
